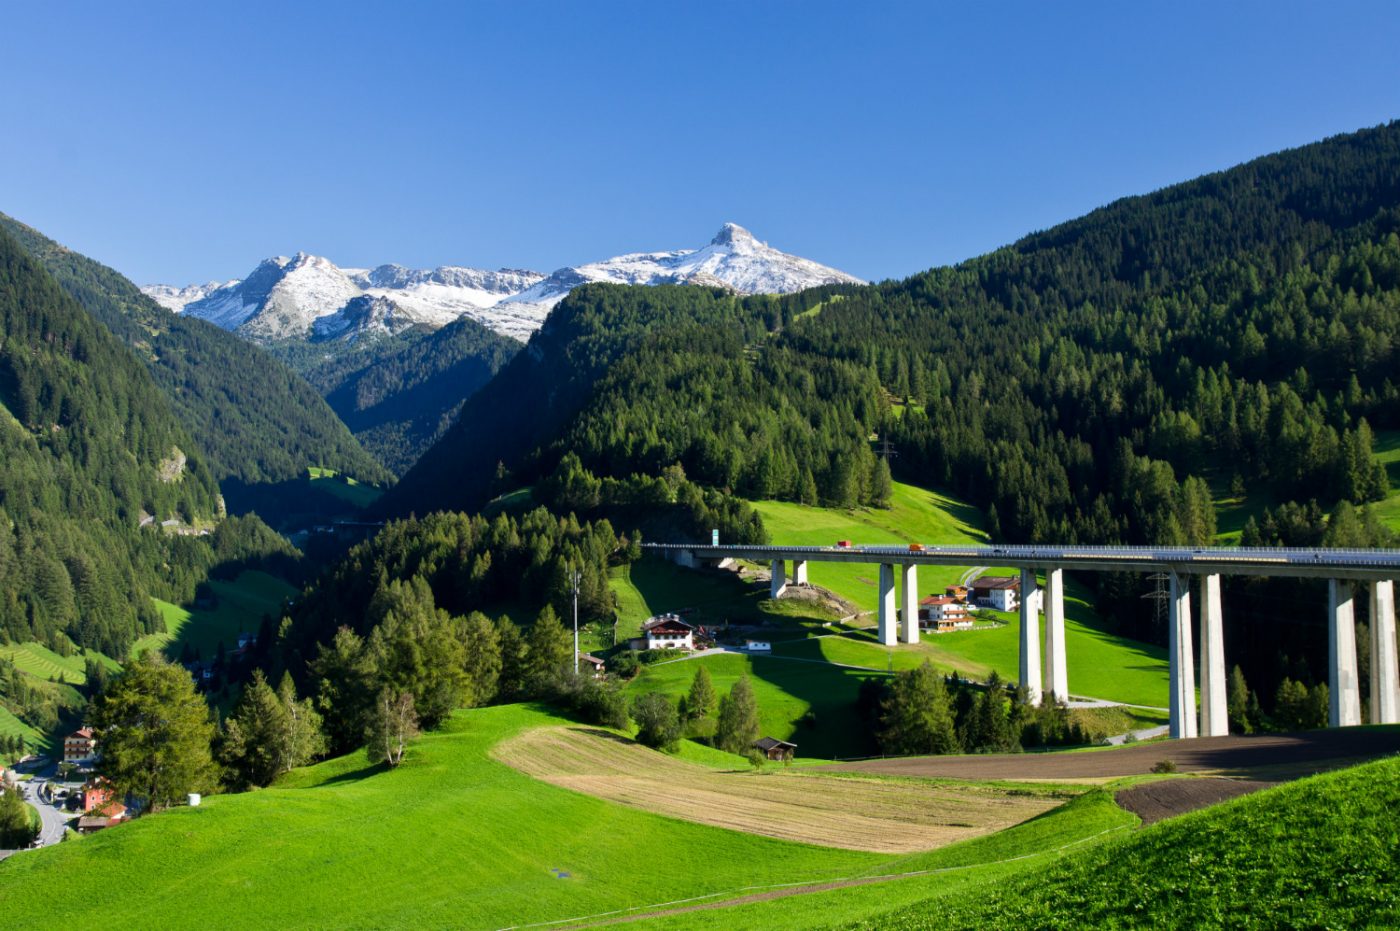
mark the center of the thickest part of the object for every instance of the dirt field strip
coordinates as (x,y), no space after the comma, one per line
(1274,756)
(1154,801)
(881,816)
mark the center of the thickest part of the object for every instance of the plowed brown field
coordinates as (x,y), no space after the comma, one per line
(884,816)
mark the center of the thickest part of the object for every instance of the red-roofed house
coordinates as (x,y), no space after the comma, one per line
(80,746)
(668,632)
(943,613)
(997,591)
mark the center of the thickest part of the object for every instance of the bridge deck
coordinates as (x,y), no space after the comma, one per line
(1278,561)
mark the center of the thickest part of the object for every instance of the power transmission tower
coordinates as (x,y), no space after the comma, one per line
(887,450)
(1159,597)
(575,579)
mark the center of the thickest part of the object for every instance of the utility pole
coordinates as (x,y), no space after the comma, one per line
(575,580)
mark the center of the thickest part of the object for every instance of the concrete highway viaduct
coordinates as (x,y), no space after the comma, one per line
(1349,573)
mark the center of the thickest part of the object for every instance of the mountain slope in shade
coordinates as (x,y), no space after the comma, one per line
(255,419)
(733,259)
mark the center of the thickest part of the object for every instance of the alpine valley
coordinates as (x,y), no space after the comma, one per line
(436,335)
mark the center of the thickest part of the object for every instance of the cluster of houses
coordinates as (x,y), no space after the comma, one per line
(951,610)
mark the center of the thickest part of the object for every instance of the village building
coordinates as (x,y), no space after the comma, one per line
(95,793)
(668,632)
(80,747)
(775,749)
(110,814)
(943,613)
(997,591)
(588,662)
(957,592)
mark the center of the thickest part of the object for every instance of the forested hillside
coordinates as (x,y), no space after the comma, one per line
(255,419)
(89,449)
(400,403)
(1105,380)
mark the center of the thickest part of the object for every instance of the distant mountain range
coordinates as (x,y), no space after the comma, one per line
(307,297)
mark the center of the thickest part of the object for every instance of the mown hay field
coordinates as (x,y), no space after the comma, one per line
(880,816)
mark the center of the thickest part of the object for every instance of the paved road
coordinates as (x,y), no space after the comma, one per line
(54,821)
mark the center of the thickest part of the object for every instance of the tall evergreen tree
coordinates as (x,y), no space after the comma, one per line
(738,725)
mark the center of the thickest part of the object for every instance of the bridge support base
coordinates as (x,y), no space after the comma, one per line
(889,635)
(1385,676)
(909,612)
(1181,660)
(1030,636)
(799,572)
(1056,667)
(1215,717)
(1344,707)
(779,583)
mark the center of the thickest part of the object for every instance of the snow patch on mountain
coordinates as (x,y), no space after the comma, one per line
(172,297)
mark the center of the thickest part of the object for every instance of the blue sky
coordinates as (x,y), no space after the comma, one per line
(184,142)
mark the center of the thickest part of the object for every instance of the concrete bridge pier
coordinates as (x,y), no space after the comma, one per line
(1056,672)
(1030,635)
(1385,676)
(889,634)
(1215,717)
(799,572)
(1181,661)
(779,583)
(909,613)
(1344,708)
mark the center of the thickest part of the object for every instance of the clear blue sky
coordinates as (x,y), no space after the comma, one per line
(185,141)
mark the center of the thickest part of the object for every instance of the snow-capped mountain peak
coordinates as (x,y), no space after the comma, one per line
(308,297)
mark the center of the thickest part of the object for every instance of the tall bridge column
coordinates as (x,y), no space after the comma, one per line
(1180,660)
(1056,672)
(1215,716)
(1030,636)
(909,588)
(779,583)
(799,572)
(1344,709)
(889,636)
(1385,676)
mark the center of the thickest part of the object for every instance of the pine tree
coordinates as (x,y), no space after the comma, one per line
(482,643)
(738,726)
(550,651)
(415,649)
(918,714)
(700,701)
(344,689)
(1237,701)
(155,733)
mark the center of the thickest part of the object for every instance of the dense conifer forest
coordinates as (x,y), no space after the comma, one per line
(255,420)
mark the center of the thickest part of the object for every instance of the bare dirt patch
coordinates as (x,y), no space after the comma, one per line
(1154,801)
(1275,757)
(855,814)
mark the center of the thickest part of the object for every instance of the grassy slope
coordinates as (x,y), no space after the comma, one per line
(786,692)
(241,605)
(1388,453)
(11,726)
(968,869)
(39,661)
(451,839)
(1101,665)
(344,488)
(1316,853)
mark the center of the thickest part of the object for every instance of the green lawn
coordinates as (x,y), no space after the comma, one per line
(343,487)
(450,839)
(241,605)
(787,690)
(1387,449)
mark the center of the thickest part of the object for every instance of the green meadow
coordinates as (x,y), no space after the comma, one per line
(343,487)
(39,661)
(452,839)
(240,607)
